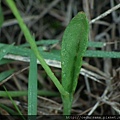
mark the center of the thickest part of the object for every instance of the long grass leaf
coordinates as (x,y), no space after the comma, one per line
(5,74)
(93,44)
(33,46)
(4,50)
(16,107)
(42,42)
(102,54)
(17,50)
(32,86)
(5,61)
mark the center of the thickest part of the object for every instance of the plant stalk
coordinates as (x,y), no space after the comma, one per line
(33,46)
(67,104)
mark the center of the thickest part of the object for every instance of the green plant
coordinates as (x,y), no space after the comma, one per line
(32,93)
(14,103)
(73,48)
(74,44)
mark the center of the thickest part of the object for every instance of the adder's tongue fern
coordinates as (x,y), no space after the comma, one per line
(74,44)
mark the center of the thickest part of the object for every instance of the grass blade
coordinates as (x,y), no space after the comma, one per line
(4,50)
(14,104)
(5,61)
(42,42)
(8,109)
(6,74)
(32,86)
(102,54)
(96,44)
(33,46)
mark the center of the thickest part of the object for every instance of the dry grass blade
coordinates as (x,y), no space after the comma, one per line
(105,13)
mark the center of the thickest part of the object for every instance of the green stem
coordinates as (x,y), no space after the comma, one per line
(67,104)
(33,45)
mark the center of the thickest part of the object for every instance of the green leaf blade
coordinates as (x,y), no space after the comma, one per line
(5,74)
(32,86)
(4,50)
(33,46)
(74,44)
